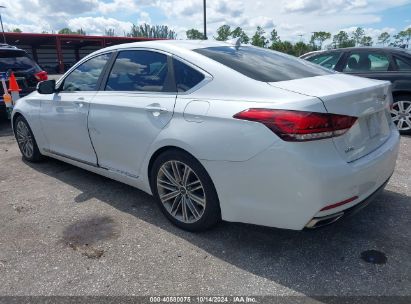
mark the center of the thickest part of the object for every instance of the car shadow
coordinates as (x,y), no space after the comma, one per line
(325,261)
(5,127)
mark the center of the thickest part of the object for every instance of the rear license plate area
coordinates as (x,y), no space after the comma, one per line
(374,125)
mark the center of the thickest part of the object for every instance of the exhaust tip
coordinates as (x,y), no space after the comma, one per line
(318,222)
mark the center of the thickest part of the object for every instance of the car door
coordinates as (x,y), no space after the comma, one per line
(64,115)
(136,102)
(370,64)
(402,81)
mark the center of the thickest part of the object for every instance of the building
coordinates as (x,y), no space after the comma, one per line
(56,53)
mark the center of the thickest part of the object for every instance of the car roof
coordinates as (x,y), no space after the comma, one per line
(370,48)
(171,44)
(5,46)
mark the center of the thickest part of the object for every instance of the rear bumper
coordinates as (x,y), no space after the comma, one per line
(317,222)
(287,185)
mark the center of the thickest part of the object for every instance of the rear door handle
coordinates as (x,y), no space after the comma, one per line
(156,109)
(79,104)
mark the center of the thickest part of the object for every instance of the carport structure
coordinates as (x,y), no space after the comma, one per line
(56,53)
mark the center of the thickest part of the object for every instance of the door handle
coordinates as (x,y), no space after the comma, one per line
(79,104)
(156,109)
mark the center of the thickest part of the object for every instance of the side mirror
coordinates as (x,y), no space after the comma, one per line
(46,87)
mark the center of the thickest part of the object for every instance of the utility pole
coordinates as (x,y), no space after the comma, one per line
(1,21)
(205,19)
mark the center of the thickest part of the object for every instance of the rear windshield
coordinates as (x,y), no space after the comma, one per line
(16,61)
(263,64)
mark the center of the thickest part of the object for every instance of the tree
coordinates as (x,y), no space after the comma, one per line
(109,32)
(318,38)
(342,40)
(384,38)
(65,30)
(274,36)
(68,31)
(259,39)
(239,33)
(284,47)
(301,48)
(194,34)
(366,41)
(80,32)
(405,36)
(223,32)
(16,30)
(358,35)
(152,31)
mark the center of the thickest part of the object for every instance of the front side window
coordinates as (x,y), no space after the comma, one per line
(143,71)
(85,77)
(185,76)
(367,62)
(328,61)
(262,64)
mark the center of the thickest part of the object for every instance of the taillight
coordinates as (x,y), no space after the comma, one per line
(41,76)
(299,125)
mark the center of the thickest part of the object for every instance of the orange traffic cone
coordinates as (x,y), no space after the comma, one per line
(13,85)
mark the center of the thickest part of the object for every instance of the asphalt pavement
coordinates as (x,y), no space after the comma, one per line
(66,231)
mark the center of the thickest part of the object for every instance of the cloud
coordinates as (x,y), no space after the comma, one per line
(98,25)
(290,17)
(69,7)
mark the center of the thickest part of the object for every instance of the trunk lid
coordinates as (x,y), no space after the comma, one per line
(367,99)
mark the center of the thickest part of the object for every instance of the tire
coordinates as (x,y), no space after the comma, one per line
(26,141)
(401,113)
(188,200)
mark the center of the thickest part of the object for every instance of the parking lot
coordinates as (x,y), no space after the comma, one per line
(65,231)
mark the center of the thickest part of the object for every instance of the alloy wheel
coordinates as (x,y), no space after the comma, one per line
(401,114)
(181,191)
(24,139)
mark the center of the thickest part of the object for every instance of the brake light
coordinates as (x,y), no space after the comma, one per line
(299,125)
(41,76)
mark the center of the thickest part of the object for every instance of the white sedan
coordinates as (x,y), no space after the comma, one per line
(218,131)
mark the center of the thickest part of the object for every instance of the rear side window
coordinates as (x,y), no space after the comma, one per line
(262,64)
(17,61)
(185,76)
(403,65)
(328,61)
(143,71)
(367,62)
(85,77)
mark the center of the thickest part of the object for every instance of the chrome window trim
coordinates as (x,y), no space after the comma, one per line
(207,76)
(85,59)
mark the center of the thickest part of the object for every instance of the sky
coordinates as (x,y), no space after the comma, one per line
(291,18)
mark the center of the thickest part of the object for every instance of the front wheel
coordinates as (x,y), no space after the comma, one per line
(401,113)
(26,141)
(184,191)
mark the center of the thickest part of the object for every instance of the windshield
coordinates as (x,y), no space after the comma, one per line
(262,64)
(16,61)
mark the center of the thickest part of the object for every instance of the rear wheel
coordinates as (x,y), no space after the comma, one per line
(184,191)
(401,113)
(25,140)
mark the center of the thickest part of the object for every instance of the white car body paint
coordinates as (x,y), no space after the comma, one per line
(259,178)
